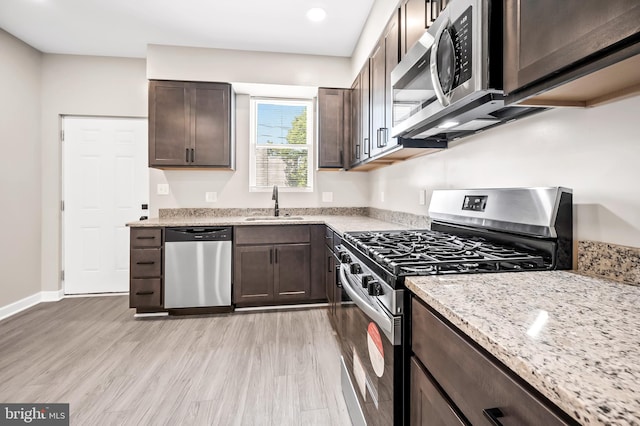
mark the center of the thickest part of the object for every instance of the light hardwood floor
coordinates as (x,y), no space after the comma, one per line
(269,368)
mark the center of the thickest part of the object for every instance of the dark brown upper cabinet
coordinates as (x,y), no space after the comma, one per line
(384,58)
(361,116)
(190,125)
(334,129)
(571,53)
(413,23)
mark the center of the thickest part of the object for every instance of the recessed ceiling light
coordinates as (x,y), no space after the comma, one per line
(316,14)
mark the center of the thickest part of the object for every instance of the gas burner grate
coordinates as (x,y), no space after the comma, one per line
(427,252)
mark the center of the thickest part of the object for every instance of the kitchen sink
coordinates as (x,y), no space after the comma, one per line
(260,218)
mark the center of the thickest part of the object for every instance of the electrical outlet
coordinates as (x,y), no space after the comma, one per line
(162,189)
(382,196)
(211,197)
(327,197)
(423,197)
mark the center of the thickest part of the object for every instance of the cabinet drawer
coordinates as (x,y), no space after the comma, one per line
(473,381)
(428,404)
(146,237)
(278,234)
(145,293)
(146,263)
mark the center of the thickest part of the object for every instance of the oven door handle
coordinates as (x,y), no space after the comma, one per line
(384,321)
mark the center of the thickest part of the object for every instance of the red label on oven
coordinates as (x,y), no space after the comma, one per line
(376,352)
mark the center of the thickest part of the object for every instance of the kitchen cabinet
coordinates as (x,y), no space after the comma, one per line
(190,125)
(334,127)
(333,290)
(360,110)
(145,269)
(470,381)
(413,23)
(549,43)
(274,265)
(384,58)
(429,405)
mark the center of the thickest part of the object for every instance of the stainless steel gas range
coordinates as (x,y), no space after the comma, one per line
(472,231)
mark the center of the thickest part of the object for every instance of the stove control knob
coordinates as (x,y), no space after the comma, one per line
(345,258)
(374,288)
(356,268)
(365,280)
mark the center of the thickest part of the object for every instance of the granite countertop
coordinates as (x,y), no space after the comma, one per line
(341,224)
(576,339)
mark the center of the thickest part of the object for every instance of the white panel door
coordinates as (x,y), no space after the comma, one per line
(105,178)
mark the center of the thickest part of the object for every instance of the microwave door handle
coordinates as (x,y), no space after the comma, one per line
(435,80)
(383,321)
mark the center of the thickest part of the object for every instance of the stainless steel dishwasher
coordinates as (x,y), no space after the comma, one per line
(197,267)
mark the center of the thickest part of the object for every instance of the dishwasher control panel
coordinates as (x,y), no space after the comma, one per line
(206,233)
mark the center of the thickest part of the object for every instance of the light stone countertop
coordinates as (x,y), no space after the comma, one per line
(341,224)
(576,339)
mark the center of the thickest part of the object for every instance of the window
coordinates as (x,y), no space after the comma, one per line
(281,144)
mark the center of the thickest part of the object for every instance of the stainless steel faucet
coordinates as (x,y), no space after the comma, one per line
(274,196)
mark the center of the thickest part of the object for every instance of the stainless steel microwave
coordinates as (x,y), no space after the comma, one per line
(449,84)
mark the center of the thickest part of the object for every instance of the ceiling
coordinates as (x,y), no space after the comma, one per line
(125,27)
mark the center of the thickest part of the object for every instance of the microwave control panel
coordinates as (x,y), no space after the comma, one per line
(461,33)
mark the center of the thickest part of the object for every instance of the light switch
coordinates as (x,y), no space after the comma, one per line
(382,196)
(162,189)
(327,197)
(211,197)
(423,197)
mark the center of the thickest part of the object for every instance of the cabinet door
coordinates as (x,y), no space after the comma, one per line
(169,124)
(253,275)
(428,406)
(355,142)
(378,98)
(365,110)
(392,57)
(543,37)
(331,127)
(292,275)
(414,23)
(330,278)
(210,124)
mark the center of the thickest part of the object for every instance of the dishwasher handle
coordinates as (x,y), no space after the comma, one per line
(206,233)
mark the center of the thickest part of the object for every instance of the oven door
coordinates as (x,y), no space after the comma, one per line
(371,363)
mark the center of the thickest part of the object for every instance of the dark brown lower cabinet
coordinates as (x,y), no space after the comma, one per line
(145,270)
(429,405)
(277,265)
(477,386)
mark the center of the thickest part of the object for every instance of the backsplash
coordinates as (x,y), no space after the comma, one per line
(615,262)
(246,212)
(408,219)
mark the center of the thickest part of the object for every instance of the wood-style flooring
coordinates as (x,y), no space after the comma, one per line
(268,368)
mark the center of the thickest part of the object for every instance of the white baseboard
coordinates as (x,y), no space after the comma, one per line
(52,296)
(29,301)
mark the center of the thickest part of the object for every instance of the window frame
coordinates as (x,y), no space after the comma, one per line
(310,145)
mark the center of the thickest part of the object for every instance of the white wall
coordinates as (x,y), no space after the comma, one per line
(19,169)
(79,85)
(263,71)
(594,151)
(201,64)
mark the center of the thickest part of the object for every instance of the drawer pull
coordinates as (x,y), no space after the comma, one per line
(145,263)
(493,414)
(146,238)
(144,293)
